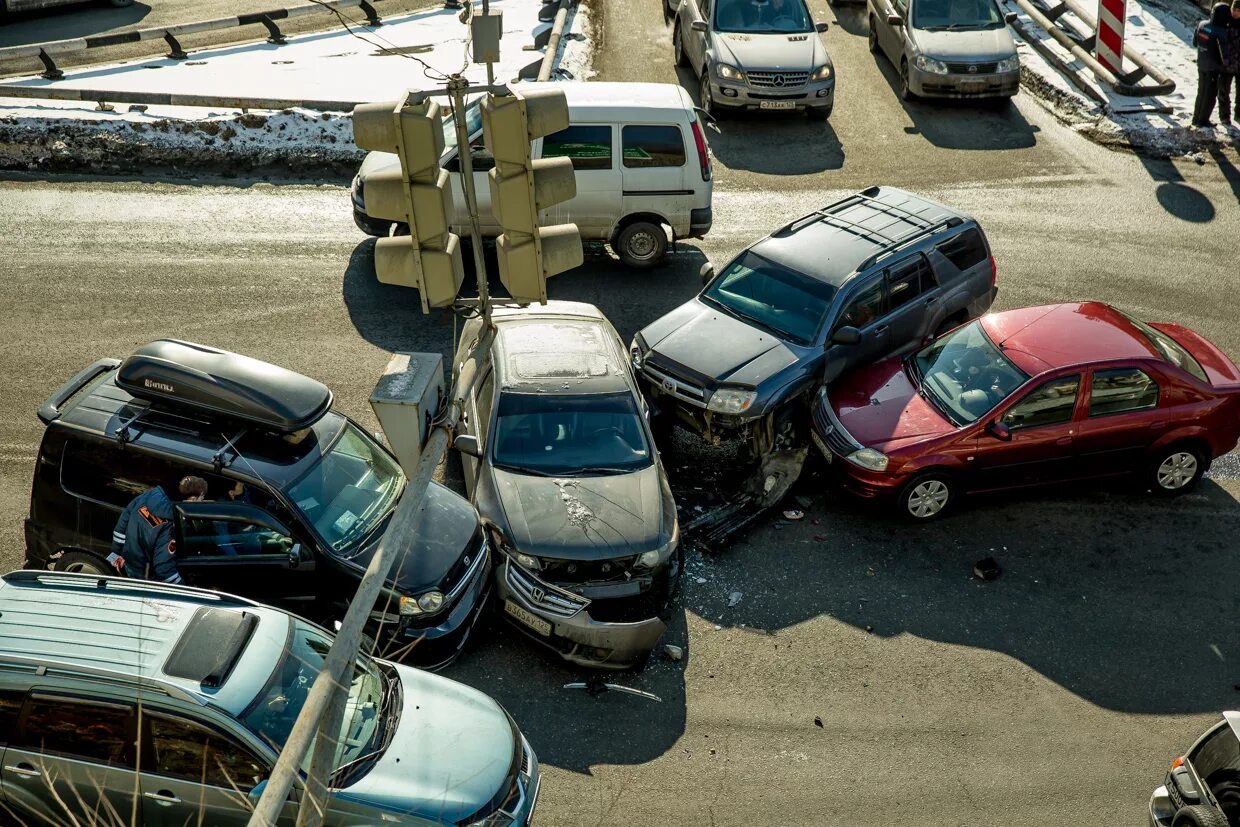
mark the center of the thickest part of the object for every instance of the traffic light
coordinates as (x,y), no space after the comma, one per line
(520,187)
(429,258)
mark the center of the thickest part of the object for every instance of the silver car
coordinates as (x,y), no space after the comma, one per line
(755,54)
(947,48)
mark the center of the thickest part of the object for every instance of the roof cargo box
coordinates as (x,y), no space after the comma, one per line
(185,375)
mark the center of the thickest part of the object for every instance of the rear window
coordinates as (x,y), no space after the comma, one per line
(1170,349)
(965,250)
(653,146)
(589,147)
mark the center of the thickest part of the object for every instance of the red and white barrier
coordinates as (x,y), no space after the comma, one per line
(1109,38)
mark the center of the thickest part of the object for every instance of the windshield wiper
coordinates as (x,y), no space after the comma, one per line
(385,730)
(533,472)
(597,469)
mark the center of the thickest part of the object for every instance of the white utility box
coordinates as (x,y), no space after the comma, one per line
(405,400)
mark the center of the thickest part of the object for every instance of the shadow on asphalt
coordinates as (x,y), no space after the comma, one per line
(1178,198)
(75,20)
(1084,598)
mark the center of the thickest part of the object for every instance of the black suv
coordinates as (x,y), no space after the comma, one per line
(299,494)
(877,273)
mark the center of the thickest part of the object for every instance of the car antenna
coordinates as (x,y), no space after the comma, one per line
(595,686)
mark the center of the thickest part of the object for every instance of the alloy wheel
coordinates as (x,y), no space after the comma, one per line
(928,498)
(1177,470)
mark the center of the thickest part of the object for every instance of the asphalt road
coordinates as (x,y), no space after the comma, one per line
(1056,694)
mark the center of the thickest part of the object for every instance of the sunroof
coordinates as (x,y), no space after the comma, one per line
(210,646)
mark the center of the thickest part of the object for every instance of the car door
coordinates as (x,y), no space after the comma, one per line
(1042,426)
(962,264)
(862,309)
(891,38)
(1123,418)
(477,424)
(597,204)
(72,761)
(913,296)
(694,43)
(195,773)
(242,549)
(654,168)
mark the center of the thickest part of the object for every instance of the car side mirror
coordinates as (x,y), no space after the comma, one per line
(821,27)
(255,793)
(1010,18)
(698,26)
(847,335)
(294,556)
(1000,431)
(706,273)
(467,444)
(895,20)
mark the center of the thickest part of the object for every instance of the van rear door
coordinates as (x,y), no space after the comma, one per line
(655,171)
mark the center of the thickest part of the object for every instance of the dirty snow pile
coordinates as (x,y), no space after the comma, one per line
(407,51)
(1161,31)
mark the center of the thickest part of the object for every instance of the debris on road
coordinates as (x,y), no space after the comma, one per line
(794,514)
(596,686)
(734,599)
(986,569)
(673,653)
(818,721)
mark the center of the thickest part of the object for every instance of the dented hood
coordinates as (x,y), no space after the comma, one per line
(582,518)
(716,345)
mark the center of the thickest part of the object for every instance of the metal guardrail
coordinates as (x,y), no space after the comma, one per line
(102,96)
(45,51)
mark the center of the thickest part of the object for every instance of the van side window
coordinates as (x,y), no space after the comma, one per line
(653,146)
(588,146)
(99,472)
(89,731)
(964,250)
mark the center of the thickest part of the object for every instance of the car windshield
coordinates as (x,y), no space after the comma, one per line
(567,435)
(786,303)
(473,122)
(275,708)
(762,17)
(349,490)
(964,374)
(956,14)
(1170,349)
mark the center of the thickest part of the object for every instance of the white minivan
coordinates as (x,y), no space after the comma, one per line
(642,168)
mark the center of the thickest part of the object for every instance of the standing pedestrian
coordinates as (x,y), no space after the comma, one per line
(142,542)
(1229,45)
(1208,39)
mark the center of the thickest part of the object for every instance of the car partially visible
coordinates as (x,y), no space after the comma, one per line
(1202,788)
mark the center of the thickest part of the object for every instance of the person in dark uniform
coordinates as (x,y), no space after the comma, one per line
(1229,47)
(142,542)
(1209,38)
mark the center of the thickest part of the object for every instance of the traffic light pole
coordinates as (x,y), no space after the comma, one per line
(457,87)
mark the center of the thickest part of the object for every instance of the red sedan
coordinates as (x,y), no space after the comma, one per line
(1030,396)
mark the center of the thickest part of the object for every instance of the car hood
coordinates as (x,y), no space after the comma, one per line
(796,52)
(441,535)
(452,751)
(581,518)
(719,346)
(879,405)
(968,46)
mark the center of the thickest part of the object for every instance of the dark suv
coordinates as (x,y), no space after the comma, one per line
(877,273)
(311,492)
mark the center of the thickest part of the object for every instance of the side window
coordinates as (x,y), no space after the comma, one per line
(10,712)
(907,280)
(98,471)
(652,146)
(964,250)
(486,398)
(230,538)
(1121,389)
(863,309)
(77,729)
(1049,404)
(185,750)
(588,146)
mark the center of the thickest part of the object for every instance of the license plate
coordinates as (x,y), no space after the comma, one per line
(972,85)
(776,105)
(529,619)
(820,445)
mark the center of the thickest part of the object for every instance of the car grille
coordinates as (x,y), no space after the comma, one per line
(548,598)
(963,68)
(584,571)
(777,80)
(838,439)
(673,384)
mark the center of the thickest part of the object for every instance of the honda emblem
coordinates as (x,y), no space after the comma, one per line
(537,593)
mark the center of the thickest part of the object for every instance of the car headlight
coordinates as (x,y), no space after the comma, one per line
(651,559)
(822,73)
(637,352)
(929,64)
(869,458)
(527,561)
(496,819)
(1009,64)
(428,603)
(727,72)
(731,400)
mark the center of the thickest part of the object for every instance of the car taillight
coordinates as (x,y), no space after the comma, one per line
(1179,762)
(994,272)
(703,156)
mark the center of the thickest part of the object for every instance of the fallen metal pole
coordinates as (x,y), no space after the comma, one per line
(553,45)
(170,99)
(1136,58)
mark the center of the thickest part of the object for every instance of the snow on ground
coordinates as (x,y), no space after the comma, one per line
(409,51)
(1160,30)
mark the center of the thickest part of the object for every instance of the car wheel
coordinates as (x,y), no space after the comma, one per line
(79,562)
(678,47)
(1199,816)
(906,91)
(927,497)
(1176,470)
(872,39)
(641,244)
(708,100)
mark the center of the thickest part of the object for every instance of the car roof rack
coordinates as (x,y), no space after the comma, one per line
(170,419)
(120,585)
(912,236)
(42,665)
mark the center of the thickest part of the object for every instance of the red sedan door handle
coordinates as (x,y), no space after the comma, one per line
(1064,440)
(1157,425)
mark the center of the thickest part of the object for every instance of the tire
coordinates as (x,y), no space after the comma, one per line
(641,245)
(1199,816)
(1175,470)
(708,100)
(906,92)
(872,38)
(927,497)
(81,562)
(1225,784)
(678,47)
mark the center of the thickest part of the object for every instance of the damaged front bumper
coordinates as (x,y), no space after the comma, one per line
(561,620)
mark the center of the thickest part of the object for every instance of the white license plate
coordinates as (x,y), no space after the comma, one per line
(529,619)
(822,446)
(777,105)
